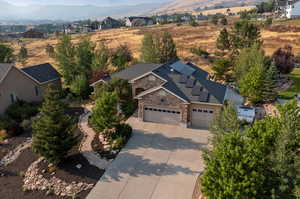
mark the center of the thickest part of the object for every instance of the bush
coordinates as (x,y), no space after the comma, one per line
(120,135)
(119,143)
(124,130)
(200,52)
(22,110)
(26,124)
(3,134)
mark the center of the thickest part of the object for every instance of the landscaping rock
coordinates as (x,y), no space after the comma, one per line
(35,181)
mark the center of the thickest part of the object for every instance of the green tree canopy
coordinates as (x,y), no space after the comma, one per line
(53,130)
(65,56)
(101,58)
(157,48)
(105,113)
(6,53)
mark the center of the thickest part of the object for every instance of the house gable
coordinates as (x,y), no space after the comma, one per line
(161,97)
(146,82)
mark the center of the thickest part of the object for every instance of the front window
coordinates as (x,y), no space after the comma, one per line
(36,88)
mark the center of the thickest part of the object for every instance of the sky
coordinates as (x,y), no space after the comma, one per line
(83,2)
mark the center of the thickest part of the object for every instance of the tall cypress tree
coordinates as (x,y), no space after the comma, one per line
(53,130)
(65,56)
(168,50)
(223,41)
(150,49)
(270,81)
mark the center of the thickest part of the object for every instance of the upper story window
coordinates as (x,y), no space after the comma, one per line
(151,78)
(162,93)
(36,88)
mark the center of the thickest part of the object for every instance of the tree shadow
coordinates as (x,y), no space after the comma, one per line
(133,162)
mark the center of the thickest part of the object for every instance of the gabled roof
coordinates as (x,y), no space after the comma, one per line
(216,91)
(42,73)
(4,69)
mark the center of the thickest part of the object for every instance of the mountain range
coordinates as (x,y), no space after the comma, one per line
(10,11)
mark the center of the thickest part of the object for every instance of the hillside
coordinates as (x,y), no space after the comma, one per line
(192,5)
(185,37)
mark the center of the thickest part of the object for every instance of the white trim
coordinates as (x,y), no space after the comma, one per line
(157,88)
(205,103)
(100,80)
(145,74)
(5,75)
(35,80)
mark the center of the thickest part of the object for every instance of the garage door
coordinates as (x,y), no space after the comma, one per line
(161,115)
(202,118)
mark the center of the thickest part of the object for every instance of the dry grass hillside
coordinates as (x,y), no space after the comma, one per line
(185,37)
(176,6)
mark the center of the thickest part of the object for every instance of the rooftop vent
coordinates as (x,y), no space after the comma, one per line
(183,79)
(190,83)
(204,96)
(196,91)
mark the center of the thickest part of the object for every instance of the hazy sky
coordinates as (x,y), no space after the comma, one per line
(84,2)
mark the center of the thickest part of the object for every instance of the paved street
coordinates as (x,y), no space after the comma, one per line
(159,162)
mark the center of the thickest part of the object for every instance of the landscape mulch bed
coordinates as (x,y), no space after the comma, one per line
(12,182)
(13,143)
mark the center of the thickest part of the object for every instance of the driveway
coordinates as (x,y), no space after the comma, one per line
(159,162)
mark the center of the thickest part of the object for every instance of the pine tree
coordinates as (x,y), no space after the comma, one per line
(53,130)
(221,69)
(270,80)
(223,41)
(85,56)
(6,53)
(105,113)
(23,54)
(150,50)
(168,50)
(80,87)
(101,58)
(65,56)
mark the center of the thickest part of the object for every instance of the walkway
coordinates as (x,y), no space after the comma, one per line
(159,162)
(86,145)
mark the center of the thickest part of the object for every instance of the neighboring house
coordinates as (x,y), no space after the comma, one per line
(33,34)
(109,23)
(246,113)
(288,8)
(26,84)
(138,21)
(176,93)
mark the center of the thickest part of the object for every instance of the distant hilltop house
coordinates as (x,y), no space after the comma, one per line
(288,8)
(32,33)
(109,23)
(27,84)
(138,21)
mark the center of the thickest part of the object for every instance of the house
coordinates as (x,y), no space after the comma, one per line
(33,34)
(109,23)
(26,84)
(288,8)
(246,113)
(138,21)
(176,93)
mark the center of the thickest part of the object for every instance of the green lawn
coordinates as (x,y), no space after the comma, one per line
(295,88)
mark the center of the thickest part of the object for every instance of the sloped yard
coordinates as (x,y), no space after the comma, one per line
(295,88)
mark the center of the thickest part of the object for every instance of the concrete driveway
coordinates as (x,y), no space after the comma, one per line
(159,162)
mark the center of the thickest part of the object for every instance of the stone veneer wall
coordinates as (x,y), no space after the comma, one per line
(146,83)
(169,101)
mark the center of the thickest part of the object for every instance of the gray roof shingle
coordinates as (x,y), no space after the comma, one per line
(42,73)
(216,91)
(135,71)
